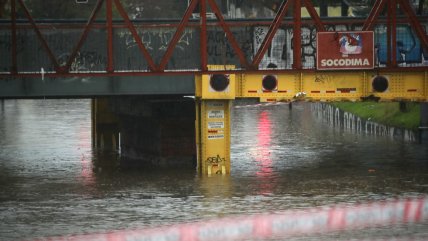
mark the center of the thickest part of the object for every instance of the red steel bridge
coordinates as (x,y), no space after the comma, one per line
(217,50)
(114,46)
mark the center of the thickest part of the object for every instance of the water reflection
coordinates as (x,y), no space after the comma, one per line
(51,183)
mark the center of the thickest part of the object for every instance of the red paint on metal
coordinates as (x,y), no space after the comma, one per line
(109,14)
(315,91)
(83,37)
(297,33)
(282,91)
(135,35)
(267,41)
(345,50)
(314,15)
(412,90)
(374,14)
(252,91)
(14,67)
(177,35)
(39,35)
(204,45)
(415,24)
(393,17)
(229,34)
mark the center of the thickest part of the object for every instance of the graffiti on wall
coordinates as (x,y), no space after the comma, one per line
(219,50)
(408,46)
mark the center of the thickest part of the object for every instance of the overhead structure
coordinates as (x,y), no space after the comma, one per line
(295,54)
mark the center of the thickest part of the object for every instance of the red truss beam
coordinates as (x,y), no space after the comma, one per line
(297,33)
(267,41)
(369,24)
(314,15)
(14,67)
(374,14)
(83,37)
(414,23)
(177,35)
(282,11)
(39,35)
(109,26)
(229,34)
(204,43)
(134,33)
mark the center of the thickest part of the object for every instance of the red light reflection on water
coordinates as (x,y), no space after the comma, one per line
(84,146)
(263,152)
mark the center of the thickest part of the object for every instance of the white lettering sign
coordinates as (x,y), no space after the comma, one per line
(345,62)
(215,125)
(216,114)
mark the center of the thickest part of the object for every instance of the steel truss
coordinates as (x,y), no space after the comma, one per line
(247,66)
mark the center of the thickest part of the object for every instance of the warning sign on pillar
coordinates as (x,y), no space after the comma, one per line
(215,124)
(217,136)
(216,114)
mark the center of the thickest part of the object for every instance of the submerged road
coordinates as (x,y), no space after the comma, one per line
(52,184)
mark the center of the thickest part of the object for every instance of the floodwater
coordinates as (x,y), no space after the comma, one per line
(51,183)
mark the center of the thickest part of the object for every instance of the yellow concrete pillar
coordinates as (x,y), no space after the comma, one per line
(214,95)
(105,126)
(213,136)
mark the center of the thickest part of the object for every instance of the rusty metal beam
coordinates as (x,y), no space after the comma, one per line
(314,15)
(14,67)
(177,35)
(204,43)
(415,24)
(135,35)
(393,26)
(109,26)
(267,41)
(229,34)
(83,37)
(297,33)
(374,14)
(40,36)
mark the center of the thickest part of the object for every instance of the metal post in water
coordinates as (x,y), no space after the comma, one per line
(423,127)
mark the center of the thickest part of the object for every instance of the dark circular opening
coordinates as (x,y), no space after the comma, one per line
(269,82)
(219,82)
(380,83)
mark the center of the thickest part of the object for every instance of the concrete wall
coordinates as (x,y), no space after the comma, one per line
(350,122)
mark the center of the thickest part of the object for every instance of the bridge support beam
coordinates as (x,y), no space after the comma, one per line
(105,126)
(213,136)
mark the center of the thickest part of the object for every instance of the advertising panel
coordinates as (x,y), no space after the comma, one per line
(345,50)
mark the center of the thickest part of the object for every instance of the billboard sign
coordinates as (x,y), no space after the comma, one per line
(345,50)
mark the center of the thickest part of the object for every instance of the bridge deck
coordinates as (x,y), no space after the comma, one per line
(106,56)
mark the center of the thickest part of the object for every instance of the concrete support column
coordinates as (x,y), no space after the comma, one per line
(213,136)
(105,126)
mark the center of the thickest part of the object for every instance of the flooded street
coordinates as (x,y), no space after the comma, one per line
(52,185)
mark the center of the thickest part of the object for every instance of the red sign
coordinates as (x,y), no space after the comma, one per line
(345,50)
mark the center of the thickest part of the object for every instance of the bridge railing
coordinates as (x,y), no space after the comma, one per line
(116,41)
